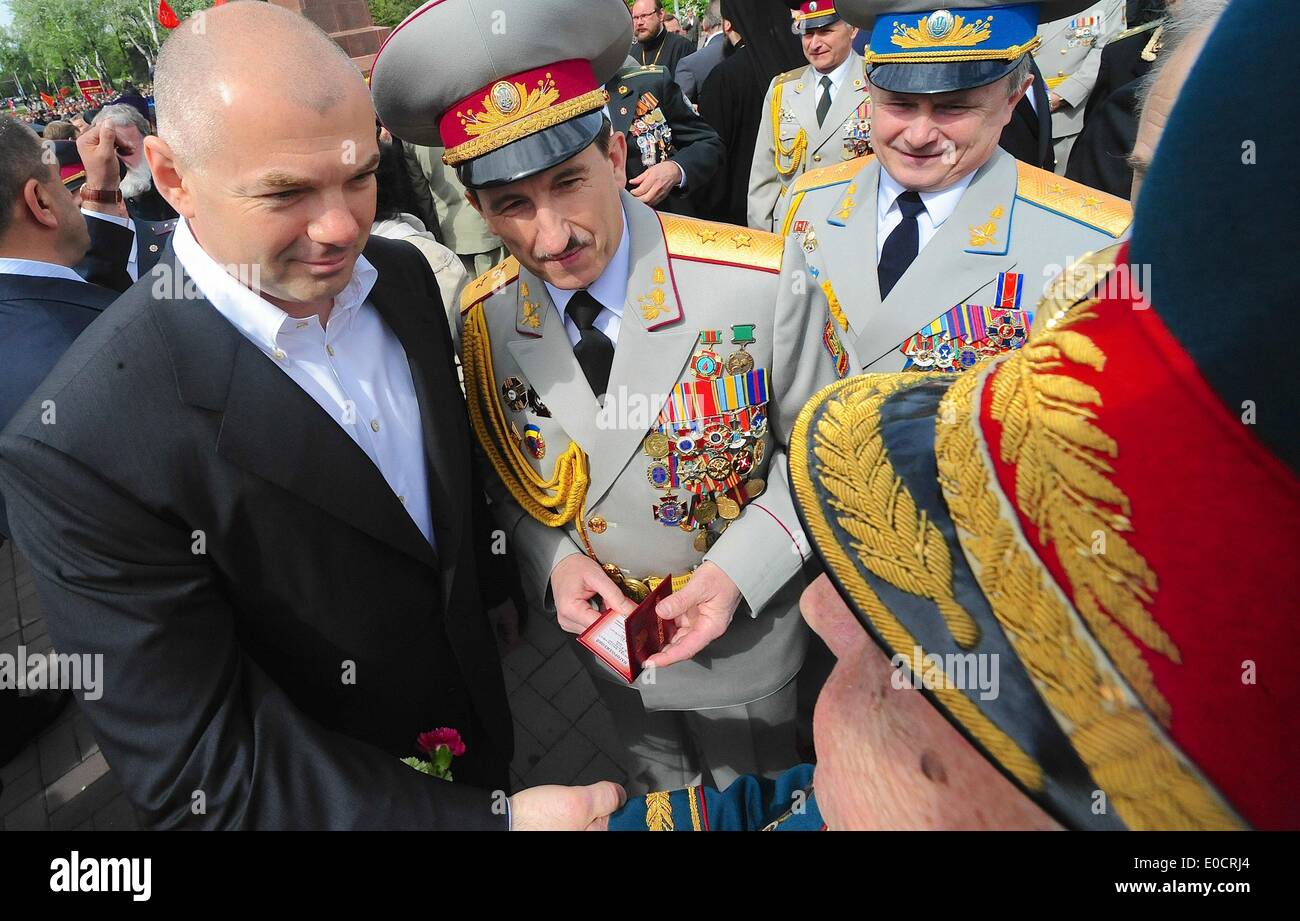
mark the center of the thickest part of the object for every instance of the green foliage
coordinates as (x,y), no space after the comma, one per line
(391,12)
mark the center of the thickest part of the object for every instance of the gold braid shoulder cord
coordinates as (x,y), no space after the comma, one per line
(554,502)
(794,153)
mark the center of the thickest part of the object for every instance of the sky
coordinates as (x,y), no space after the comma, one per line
(5,15)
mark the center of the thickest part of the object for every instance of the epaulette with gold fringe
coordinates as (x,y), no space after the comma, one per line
(830,175)
(1096,209)
(727,244)
(482,287)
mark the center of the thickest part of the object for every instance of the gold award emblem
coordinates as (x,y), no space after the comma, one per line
(656,444)
(506,97)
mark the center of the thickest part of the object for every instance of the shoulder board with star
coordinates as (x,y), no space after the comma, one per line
(481,288)
(1096,209)
(1137,30)
(790,75)
(642,70)
(830,175)
(726,244)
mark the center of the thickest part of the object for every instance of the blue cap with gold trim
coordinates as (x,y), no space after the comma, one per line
(917,47)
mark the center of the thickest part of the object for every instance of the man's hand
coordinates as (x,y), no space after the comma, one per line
(574,582)
(553,808)
(97,148)
(1057,102)
(653,186)
(703,611)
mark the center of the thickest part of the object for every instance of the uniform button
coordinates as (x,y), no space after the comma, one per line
(279,355)
(1064,50)
(374,425)
(330,349)
(597,525)
(153,247)
(401,499)
(817,158)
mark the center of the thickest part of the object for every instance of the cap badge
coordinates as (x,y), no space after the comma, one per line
(942,28)
(506,102)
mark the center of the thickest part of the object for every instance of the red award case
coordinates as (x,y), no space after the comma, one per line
(624,643)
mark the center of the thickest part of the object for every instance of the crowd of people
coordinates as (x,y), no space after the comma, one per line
(821,330)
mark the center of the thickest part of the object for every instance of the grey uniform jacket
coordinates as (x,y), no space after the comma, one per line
(1013,220)
(842,136)
(686,277)
(458,226)
(1070,58)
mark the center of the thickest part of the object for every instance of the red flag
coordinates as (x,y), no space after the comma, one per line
(64,91)
(167,17)
(49,100)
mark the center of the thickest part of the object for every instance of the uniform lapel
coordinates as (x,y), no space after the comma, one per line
(949,270)
(801,100)
(852,244)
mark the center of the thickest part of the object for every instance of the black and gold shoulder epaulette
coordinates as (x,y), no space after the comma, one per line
(641,70)
(482,287)
(725,244)
(1137,30)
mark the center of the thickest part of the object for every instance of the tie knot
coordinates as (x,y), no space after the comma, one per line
(583,310)
(911,205)
(826,82)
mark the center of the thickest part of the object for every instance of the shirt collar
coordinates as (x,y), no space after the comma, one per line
(38,269)
(610,289)
(258,319)
(838,74)
(939,205)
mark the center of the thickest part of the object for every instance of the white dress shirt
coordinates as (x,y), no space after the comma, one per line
(610,290)
(838,76)
(939,206)
(37,269)
(354,367)
(132,263)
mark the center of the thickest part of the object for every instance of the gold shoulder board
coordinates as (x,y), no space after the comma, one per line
(1137,30)
(790,75)
(482,287)
(1096,209)
(705,241)
(830,175)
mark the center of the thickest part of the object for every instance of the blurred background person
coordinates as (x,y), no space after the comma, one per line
(655,44)
(693,69)
(731,100)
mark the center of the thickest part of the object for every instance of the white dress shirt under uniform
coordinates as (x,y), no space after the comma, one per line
(939,206)
(838,76)
(354,367)
(610,290)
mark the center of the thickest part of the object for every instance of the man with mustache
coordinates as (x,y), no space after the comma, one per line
(956,236)
(248,484)
(631,376)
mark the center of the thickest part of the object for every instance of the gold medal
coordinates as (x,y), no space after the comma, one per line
(754,488)
(656,444)
(704,540)
(706,511)
(740,362)
(759,450)
(718,466)
(728,508)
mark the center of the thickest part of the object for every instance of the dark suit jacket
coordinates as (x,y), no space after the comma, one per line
(696,146)
(110,250)
(275,629)
(1100,155)
(1028,136)
(1121,64)
(696,66)
(39,319)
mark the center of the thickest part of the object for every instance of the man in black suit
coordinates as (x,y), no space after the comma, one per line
(44,306)
(1028,136)
(256,503)
(672,153)
(655,45)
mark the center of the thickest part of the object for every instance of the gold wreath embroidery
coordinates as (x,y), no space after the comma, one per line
(653,304)
(893,539)
(492,117)
(1061,485)
(987,234)
(659,812)
(963,34)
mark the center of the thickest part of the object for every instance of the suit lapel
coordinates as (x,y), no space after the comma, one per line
(949,269)
(802,100)
(272,428)
(441,414)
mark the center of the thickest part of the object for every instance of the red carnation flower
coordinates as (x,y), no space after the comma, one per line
(428,742)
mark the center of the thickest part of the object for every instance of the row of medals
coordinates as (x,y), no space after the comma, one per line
(722,446)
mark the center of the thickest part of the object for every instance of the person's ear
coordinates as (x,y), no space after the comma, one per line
(618,157)
(168,175)
(472,197)
(40,203)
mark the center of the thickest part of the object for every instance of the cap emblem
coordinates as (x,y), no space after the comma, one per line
(942,29)
(507,102)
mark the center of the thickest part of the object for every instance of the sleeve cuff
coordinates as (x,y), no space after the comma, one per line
(112,218)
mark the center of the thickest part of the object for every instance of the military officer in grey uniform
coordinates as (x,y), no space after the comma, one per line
(964,237)
(631,376)
(812,116)
(1070,57)
(457,224)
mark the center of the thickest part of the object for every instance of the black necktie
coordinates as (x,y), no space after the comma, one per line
(902,245)
(594,351)
(824,104)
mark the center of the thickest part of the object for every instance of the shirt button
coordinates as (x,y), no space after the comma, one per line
(279,355)
(374,425)
(330,349)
